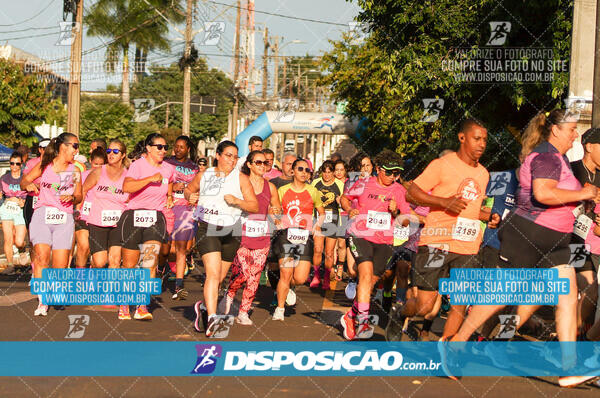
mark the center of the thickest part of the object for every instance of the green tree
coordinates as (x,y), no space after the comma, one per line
(107,117)
(24,104)
(386,78)
(129,22)
(165,84)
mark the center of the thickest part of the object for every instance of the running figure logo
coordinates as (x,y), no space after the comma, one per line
(508,326)
(500,31)
(326,122)
(207,358)
(77,325)
(286,110)
(579,253)
(432,109)
(143,107)
(437,254)
(498,183)
(212,33)
(67,33)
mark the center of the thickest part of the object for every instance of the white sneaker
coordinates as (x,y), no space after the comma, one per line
(278,315)
(41,310)
(291,297)
(350,290)
(243,319)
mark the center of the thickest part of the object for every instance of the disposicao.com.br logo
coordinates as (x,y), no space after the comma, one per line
(320,361)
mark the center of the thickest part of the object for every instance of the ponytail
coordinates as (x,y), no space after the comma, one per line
(539,129)
(53,148)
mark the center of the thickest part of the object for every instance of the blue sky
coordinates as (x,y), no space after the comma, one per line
(22,27)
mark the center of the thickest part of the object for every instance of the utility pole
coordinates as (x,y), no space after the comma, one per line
(285,85)
(596,89)
(265,65)
(236,72)
(74,97)
(276,77)
(187,72)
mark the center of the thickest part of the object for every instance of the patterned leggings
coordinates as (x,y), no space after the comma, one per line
(247,266)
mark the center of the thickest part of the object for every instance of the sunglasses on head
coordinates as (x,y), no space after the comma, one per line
(15,163)
(160,147)
(114,150)
(75,145)
(300,168)
(261,162)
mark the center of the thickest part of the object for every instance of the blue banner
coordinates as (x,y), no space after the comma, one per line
(95,286)
(508,286)
(228,358)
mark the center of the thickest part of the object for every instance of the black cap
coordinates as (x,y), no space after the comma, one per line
(591,136)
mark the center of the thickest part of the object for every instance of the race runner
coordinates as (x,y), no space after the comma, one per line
(371,235)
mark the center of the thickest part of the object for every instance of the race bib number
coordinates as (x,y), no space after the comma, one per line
(328,216)
(85,208)
(379,220)
(297,236)
(55,216)
(110,218)
(256,229)
(465,229)
(12,207)
(401,235)
(144,218)
(178,195)
(582,226)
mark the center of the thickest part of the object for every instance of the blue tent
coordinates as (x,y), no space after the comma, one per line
(5,153)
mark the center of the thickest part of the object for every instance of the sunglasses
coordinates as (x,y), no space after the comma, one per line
(15,163)
(114,150)
(261,162)
(300,168)
(75,145)
(388,173)
(160,147)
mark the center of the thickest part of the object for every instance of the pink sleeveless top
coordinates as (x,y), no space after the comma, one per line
(255,229)
(109,200)
(53,185)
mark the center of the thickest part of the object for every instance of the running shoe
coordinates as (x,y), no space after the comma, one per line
(574,381)
(9,270)
(291,296)
(142,314)
(443,349)
(393,331)
(41,310)
(279,314)
(243,319)
(348,326)
(199,309)
(124,314)
(211,326)
(316,281)
(326,283)
(274,301)
(351,289)
(180,294)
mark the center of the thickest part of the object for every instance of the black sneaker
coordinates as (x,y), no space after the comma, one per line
(180,294)
(393,331)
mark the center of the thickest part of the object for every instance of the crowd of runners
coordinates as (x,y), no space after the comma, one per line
(365,221)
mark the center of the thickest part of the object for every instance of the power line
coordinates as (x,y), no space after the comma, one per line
(28,37)
(25,30)
(281,15)
(35,16)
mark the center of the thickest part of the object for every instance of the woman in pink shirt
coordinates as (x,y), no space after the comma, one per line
(52,226)
(82,231)
(149,182)
(106,184)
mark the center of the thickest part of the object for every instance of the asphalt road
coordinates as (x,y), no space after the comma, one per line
(315,318)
